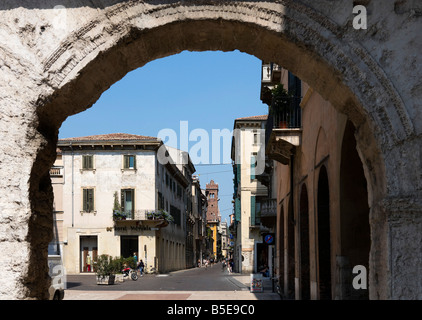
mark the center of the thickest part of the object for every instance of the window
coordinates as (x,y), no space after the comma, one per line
(253,165)
(128,202)
(88,200)
(160,201)
(129,162)
(179,191)
(176,214)
(88,162)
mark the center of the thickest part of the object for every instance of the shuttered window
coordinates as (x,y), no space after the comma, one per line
(253,166)
(128,202)
(129,162)
(88,200)
(88,162)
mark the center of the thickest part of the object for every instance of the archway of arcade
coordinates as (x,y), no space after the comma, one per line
(118,38)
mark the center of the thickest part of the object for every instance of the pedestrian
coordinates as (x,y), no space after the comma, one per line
(230,266)
(88,263)
(135,257)
(141,267)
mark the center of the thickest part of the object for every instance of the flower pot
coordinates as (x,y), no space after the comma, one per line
(107,280)
(283,124)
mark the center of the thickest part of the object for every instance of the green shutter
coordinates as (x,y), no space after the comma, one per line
(253,165)
(88,200)
(253,210)
(237,209)
(84,200)
(87,162)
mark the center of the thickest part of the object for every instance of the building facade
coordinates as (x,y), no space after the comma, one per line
(213,216)
(199,210)
(121,194)
(322,200)
(251,196)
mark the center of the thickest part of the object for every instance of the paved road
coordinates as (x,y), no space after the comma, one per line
(197,284)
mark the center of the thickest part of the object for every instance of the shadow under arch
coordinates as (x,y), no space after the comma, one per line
(286,40)
(324,236)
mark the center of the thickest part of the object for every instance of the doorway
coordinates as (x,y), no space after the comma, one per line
(324,236)
(305,281)
(128,246)
(88,253)
(354,215)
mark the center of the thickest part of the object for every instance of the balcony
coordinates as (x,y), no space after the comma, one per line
(271,75)
(269,208)
(283,132)
(151,218)
(56,171)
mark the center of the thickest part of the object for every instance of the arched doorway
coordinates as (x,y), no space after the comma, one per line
(324,236)
(280,248)
(104,43)
(291,261)
(354,215)
(305,289)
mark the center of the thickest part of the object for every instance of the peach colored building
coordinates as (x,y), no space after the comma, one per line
(322,199)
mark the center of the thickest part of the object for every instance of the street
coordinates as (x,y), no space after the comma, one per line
(210,283)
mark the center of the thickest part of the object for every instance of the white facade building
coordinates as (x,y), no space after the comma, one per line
(249,192)
(107,188)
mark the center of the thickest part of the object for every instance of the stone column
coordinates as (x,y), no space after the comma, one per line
(26,217)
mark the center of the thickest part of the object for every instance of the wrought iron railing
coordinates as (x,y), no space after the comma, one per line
(268,208)
(288,118)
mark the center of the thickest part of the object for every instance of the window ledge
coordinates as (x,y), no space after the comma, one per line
(87,170)
(89,212)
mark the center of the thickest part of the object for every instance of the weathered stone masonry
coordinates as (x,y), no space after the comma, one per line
(55,62)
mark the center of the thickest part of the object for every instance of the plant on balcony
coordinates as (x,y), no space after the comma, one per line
(160,214)
(117,213)
(281,104)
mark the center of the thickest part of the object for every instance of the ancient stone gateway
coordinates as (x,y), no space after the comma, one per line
(57,57)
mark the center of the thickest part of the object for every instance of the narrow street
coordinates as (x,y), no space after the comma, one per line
(210,283)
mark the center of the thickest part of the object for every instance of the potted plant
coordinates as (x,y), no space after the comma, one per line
(160,214)
(106,269)
(281,105)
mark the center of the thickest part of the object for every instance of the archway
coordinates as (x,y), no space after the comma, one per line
(67,70)
(281,249)
(291,261)
(354,214)
(305,283)
(324,236)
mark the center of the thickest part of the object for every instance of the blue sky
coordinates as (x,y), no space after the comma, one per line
(207,89)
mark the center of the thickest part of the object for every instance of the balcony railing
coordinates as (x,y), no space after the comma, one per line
(290,118)
(141,215)
(56,172)
(269,208)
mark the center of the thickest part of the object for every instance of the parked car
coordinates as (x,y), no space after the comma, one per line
(58,278)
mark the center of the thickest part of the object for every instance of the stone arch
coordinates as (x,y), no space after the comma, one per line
(66,72)
(354,215)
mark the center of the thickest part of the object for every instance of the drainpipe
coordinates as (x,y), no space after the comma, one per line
(73,193)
